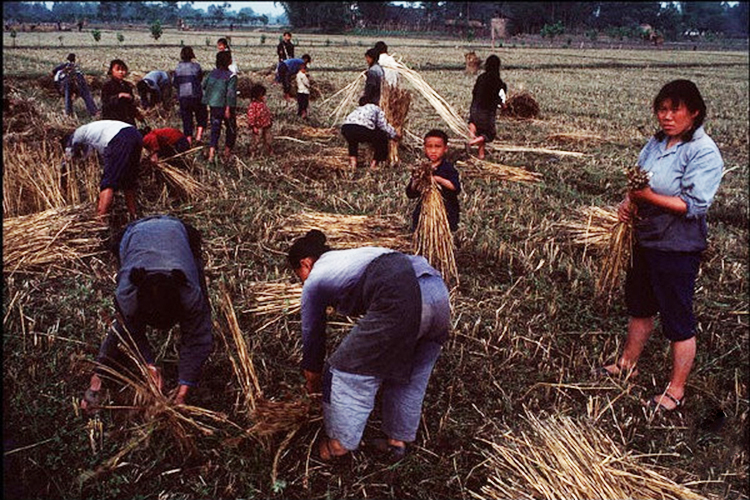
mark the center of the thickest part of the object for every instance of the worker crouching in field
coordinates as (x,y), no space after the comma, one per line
(154,88)
(164,142)
(367,123)
(119,145)
(393,347)
(160,282)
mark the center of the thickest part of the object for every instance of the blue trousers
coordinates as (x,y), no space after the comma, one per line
(67,86)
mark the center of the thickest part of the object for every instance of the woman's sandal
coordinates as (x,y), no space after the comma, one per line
(656,402)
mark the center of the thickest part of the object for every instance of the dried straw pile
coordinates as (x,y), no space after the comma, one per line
(487,169)
(320,88)
(395,102)
(522,106)
(433,238)
(594,227)
(277,299)
(318,133)
(181,179)
(563,458)
(349,231)
(51,239)
(244,84)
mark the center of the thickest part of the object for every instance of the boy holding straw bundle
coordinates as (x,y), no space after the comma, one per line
(443,172)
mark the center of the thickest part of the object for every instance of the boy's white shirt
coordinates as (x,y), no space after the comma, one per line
(303,83)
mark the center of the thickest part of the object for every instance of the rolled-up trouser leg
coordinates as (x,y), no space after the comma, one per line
(348,400)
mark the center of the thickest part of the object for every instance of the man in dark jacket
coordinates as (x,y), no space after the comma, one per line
(285,48)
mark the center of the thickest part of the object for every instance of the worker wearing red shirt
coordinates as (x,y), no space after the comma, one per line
(164,142)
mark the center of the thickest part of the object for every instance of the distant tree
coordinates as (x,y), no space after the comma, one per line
(156,29)
(329,16)
(97,35)
(170,11)
(371,13)
(120,38)
(703,16)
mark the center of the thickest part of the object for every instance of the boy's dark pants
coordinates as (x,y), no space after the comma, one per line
(188,107)
(217,118)
(303,101)
(354,134)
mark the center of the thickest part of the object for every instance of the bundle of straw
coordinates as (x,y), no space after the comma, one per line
(522,106)
(595,227)
(498,171)
(349,231)
(350,93)
(274,298)
(433,238)
(178,178)
(318,133)
(51,238)
(395,102)
(563,458)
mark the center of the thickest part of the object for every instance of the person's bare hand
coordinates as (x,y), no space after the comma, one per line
(626,210)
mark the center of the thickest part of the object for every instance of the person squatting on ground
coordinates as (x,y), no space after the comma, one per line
(70,81)
(367,123)
(670,234)
(187,80)
(485,100)
(285,48)
(164,142)
(392,348)
(443,172)
(303,91)
(287,69)
(155,88)
(373,78)
(118,102)
(119,145)
(220,95)
(160,282)
(259,116)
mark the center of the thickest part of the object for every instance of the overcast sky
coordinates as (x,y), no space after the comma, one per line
(267,8)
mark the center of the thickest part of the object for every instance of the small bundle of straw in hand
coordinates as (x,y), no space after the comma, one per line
(621,239)
(433,238)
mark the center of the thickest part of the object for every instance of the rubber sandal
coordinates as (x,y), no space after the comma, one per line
(656,404)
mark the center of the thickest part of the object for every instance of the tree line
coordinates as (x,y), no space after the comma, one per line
(673,20)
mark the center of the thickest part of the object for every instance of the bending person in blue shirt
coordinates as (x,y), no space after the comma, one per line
(287,69)
(160,283)
(670,233)
(393,347)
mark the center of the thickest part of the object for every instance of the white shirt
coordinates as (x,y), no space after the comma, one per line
(303,83)
(388,63)
(97,134)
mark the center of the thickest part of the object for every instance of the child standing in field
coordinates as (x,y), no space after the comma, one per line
(259,116)
(220,95)
(187,81)
(443,172)
(303,91)
(118,102)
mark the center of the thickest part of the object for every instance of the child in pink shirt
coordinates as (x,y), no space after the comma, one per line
(259,116)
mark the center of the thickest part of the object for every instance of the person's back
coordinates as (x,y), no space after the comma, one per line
(215,85)
(187,80)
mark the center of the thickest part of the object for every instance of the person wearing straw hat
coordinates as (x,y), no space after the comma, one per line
(119,145)
(670,231)
(160,282)
(392,348)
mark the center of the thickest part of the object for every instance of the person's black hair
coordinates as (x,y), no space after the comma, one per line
(65,140)
(306,58)
(222,41)
(145,131)
(257,91)
(364,100)
(287,33)
(436,132)
(312,244)
(492,65)
(682,92)
(223,59)
(187,54)
(71,57)
(381,47)
(158,296)
(142,86)
(372,54)
(116,62)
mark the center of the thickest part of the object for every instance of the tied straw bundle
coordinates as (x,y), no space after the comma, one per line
(620,240)
(596,229)
(178,178)
(499,171)
(522,106)
(433,238)
(50,238)
(395,102)
(563,458)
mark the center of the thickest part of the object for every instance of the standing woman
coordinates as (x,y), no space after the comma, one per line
(373,78)
(485,100)
(670,231)
(118,102)
(220,95)
(187,81)
(393,347)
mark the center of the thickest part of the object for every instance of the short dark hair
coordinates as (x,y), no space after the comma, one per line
(306,58)
(187,54)
(312,244)
(492,64)
(222,41)
(65,140)
(287,33)
(436,132)
(223,59)
(116,62)
(71,57)
(145,131)
(682,92)
(257,91)
(381,47)
(158,296)
(372,54)
(364,100)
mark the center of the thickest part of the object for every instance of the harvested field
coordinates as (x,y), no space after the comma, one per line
(513,382)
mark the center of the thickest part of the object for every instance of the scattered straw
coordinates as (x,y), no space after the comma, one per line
(484,168)
(34,243)
(563,458)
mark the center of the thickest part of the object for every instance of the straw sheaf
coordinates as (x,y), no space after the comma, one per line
(593,228)
(51,239)
(349,231)
(563,458)
(395,102)
(522,105)
(483,168)
(181,179)
(433,238)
